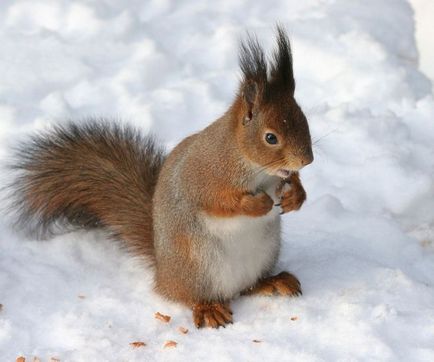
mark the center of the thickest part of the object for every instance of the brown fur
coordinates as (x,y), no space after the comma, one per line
(293,199)
(89,175)
(284,284)
(94,175)
(231,203)
(212,315)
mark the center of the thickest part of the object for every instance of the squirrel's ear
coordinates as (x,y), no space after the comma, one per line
(250,95)
(249,92)
(254,72)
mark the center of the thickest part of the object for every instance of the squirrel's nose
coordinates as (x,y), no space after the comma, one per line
(307,158)
(301,160)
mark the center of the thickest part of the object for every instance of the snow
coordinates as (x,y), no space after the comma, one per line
(424,28)
(362,245)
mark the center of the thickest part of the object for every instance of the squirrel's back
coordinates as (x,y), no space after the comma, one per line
(91,174)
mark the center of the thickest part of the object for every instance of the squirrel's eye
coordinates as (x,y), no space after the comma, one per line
(271,138)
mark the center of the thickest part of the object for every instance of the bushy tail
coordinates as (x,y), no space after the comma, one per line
(88,175)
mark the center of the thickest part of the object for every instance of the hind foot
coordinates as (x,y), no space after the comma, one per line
(212,315)
(283,283)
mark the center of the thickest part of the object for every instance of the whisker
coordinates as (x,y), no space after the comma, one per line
(259,169)
(326,135)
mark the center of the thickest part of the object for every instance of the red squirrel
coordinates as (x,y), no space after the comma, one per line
(206,215)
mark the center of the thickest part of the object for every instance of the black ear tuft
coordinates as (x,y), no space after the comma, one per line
(252,61)
(281,67)
(263,80)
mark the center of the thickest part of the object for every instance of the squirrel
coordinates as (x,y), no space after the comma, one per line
(207,214)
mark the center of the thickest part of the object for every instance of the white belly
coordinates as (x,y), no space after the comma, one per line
(243,248)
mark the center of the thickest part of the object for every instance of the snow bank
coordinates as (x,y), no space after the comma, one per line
(362,246)
(424,9)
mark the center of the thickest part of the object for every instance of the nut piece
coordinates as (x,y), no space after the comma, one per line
(137,344)
(183,330)
(170,344)
(162,317)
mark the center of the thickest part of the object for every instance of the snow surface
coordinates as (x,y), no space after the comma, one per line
(362,245)
(424,10)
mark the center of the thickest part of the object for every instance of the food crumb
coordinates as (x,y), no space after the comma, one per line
(137,344)
(162,317)
(170,344)
(183,330)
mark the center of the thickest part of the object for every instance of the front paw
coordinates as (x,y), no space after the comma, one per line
(293,195)
(256,205)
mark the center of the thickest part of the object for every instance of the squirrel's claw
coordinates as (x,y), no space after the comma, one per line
(292,196)
(212,315)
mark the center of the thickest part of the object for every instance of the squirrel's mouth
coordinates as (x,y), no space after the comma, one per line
(283,173)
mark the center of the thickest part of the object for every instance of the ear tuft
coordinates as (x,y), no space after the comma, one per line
(281,72)
(252,60)
(259,83)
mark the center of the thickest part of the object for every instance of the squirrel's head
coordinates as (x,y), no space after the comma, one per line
(272,130)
